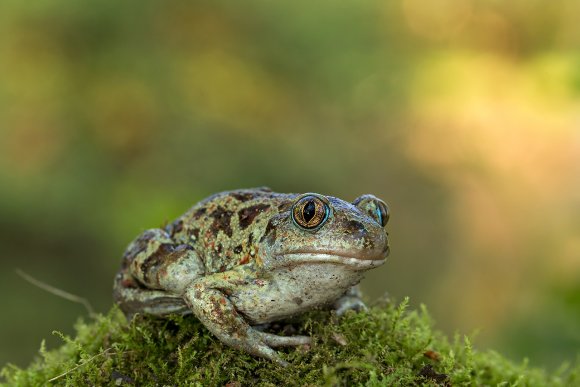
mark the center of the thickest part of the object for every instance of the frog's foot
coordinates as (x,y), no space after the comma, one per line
(350,301)
(256,344)
(283,341)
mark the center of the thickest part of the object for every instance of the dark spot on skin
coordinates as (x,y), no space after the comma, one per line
(182,248)
(126,261)
(130,283)
(197,214)
(247,215)
(285,206)
(165,255)
(250,239)
(356,229)
(270,238)
(270,229)
(155,259)
(221,221)
(175,227)
(355,226)
(138,246)
(368,243)
(219,248)
(223,268)
(238,249)
(298,300)
(243,196)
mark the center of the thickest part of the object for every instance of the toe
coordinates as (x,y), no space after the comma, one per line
(284,341)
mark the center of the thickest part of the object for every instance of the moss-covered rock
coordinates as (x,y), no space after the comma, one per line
(386,346)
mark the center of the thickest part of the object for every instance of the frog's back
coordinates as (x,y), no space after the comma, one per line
(225,229)
(217,234)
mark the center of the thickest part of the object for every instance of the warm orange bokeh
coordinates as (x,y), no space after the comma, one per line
(507,143)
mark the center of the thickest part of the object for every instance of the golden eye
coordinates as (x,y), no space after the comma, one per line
(310,212)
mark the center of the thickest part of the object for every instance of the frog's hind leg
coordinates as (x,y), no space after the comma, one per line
(154,274)
(133,299)
(158,262)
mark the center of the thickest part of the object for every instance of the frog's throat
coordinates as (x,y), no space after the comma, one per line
(293,258)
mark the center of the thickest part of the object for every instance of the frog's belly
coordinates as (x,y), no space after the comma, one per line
(294,290)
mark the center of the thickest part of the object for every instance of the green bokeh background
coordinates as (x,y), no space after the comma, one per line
(463,115)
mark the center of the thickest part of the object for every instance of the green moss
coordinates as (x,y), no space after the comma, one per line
(386,346)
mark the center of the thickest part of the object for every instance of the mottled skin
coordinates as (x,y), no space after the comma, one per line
(242,258)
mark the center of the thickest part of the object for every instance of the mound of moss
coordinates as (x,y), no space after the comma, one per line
(388,345)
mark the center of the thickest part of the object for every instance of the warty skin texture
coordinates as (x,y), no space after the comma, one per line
(248,257)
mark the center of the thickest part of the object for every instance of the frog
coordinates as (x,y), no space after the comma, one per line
(240,260)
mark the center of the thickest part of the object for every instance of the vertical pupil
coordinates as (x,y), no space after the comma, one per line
(309,211)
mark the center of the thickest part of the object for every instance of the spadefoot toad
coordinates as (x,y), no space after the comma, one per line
(248,257)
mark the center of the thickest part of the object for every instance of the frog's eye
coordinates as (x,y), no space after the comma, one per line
(382,213)
(310,212)
(374,207)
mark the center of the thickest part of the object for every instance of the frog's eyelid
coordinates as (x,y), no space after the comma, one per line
(317,195)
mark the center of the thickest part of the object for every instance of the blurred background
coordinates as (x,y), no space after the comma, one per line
(464,115)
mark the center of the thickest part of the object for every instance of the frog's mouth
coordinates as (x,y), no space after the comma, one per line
(354,260)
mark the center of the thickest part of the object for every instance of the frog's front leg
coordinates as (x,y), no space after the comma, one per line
(351,300)
(207,298)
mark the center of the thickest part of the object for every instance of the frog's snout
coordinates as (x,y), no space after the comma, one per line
(386,250)
(374,254)
(372,240)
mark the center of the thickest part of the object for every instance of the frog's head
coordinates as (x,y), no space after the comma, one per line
(312,228)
